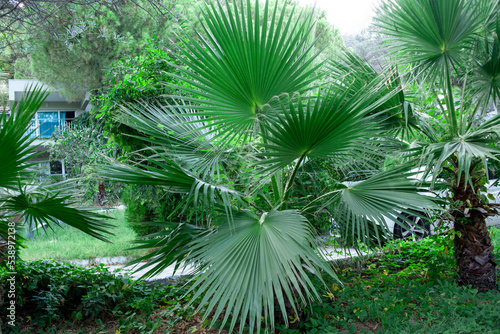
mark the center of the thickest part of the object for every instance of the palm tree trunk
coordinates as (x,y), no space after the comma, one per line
(473,250)
(473,253)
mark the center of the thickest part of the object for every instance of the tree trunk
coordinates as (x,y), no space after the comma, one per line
(473,253)
(473,250)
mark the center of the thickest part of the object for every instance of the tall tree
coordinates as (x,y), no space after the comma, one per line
(70,44)
(453,48)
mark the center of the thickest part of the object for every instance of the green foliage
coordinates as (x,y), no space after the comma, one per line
(82,146)
(135,78)
(250,239)
(247,121)
(409,289)
(154,204)
(22,200)
(89,38)
(65,244)
(47,291)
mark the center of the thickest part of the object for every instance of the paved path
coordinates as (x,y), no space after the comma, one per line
(330,254)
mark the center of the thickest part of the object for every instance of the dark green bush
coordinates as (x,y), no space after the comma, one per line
(154,204)
(47,291)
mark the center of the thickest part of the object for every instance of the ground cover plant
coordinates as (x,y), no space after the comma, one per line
(410,288)
(55,297)
(64,243)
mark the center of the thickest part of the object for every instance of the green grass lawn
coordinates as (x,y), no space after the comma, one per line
(66,243)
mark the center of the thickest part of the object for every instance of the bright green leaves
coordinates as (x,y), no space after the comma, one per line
(167,247)
(486,79)
(395,115)
(41,208)
(179,131)
(14,136)
(160,171)
(253,262)
(312,127)
(362,206)
(430,33)
(442,42)
(462,152)
(245,62)
(334,124)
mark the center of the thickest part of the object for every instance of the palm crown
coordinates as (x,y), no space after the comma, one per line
(452,48)
(256,113)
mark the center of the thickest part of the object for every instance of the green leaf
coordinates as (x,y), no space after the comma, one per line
(51,209)
(245,62)
(361,207)
(336,124)
(251,262)
(167,247)
(15,142)
(431,34)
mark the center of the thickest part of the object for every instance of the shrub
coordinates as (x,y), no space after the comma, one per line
(153,204)
(47,291)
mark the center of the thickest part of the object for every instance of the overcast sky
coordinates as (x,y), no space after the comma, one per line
(350,16)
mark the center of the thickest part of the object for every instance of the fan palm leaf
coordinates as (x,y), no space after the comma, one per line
(361,207)
(432,34)
(249,262)
(180,132)
(45,209)
(171,246)
(43,206)
(331,125)
(245,62)
(485,81)
(161,171)
(15,142)
(396,115)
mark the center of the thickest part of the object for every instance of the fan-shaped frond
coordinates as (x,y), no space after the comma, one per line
(245,61)
(181,133)
(361,207)
(167,247)
(49,209)
(15,141)
(332,124)
(251,262)
(485,82)
(431,34)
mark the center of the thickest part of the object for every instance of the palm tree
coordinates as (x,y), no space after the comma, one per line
(22,201)
(452,48)
(255,114)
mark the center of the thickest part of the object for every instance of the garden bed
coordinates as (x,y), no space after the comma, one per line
(409,289)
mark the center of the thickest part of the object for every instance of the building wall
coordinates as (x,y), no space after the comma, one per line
(54,102)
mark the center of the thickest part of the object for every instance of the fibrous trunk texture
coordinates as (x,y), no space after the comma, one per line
(473,250)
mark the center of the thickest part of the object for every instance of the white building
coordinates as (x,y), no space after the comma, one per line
(54,115)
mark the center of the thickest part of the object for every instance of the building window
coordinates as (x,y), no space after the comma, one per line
(54,170)
(45,123)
